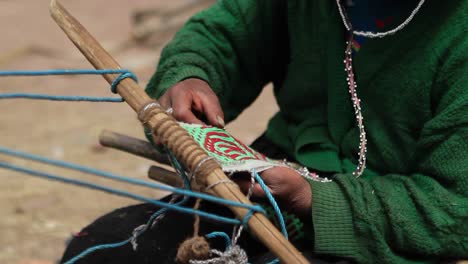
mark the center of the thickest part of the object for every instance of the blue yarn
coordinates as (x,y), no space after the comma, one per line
(97,248)
(93,249)
(179,168)
(129,180)
(272,200)
(165,206)
(60,98)
(123,75)
(247,217)
(275,261)
(121,193)
(275,207)
(63,164)
(221,235)
(61,72)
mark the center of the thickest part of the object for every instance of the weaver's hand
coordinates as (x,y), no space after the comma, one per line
(286,185)
(192,98)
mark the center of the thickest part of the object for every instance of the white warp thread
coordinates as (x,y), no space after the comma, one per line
(234,255)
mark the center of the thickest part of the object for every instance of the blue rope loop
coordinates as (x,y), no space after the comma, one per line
(223,235)
(123,74)
(250,213)
(120,78)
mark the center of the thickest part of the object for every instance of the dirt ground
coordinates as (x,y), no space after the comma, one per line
(38,216)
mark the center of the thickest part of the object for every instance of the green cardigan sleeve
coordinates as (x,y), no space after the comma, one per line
(422,217)
(231,46)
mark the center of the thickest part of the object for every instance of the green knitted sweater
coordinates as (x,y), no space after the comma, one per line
(411,204)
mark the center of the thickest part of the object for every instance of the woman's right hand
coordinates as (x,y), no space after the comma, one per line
(191,98)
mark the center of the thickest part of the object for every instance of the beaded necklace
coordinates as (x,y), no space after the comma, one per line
(348,61)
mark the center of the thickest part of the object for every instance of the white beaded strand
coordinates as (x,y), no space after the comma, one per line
(357,108)
(370,34)
(352,82)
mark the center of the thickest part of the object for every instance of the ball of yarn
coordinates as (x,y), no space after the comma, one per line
(195,248)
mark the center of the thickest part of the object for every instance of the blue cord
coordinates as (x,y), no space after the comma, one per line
(271,199)
(165,206)
(97,248)
(121,193)
(247,217)
(62,72)
(123,75)
(93,249)
(179,169)
(275,261)
(60,98)
(275,207)
(221,235)
(129,180)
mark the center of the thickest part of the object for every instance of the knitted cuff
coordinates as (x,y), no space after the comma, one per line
(332,220)
(294,225)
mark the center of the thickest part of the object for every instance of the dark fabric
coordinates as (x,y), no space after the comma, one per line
(159,244)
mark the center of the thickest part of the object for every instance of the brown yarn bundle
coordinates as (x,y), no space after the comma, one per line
(194,248)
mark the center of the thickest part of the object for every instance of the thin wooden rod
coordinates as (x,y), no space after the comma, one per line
(176,138)
(132,145)
(143,149)
(165,176)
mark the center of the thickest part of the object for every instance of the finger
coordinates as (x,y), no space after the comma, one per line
(268,178)
(182,106)
(165,101)
(244,184)
(258,192)
(212,110)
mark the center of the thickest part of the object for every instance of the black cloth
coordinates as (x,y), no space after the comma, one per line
(159,244)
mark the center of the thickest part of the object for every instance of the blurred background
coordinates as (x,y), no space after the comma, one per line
(37,217)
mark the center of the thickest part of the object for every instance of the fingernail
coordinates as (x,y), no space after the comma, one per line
(220,121)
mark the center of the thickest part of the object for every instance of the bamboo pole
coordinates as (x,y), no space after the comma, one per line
(174,137)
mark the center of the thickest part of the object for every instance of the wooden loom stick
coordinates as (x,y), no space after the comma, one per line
(165,176)
(175,138)
(142,149)
(131,145)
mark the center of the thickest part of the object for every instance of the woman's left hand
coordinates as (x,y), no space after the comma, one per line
(285,184)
